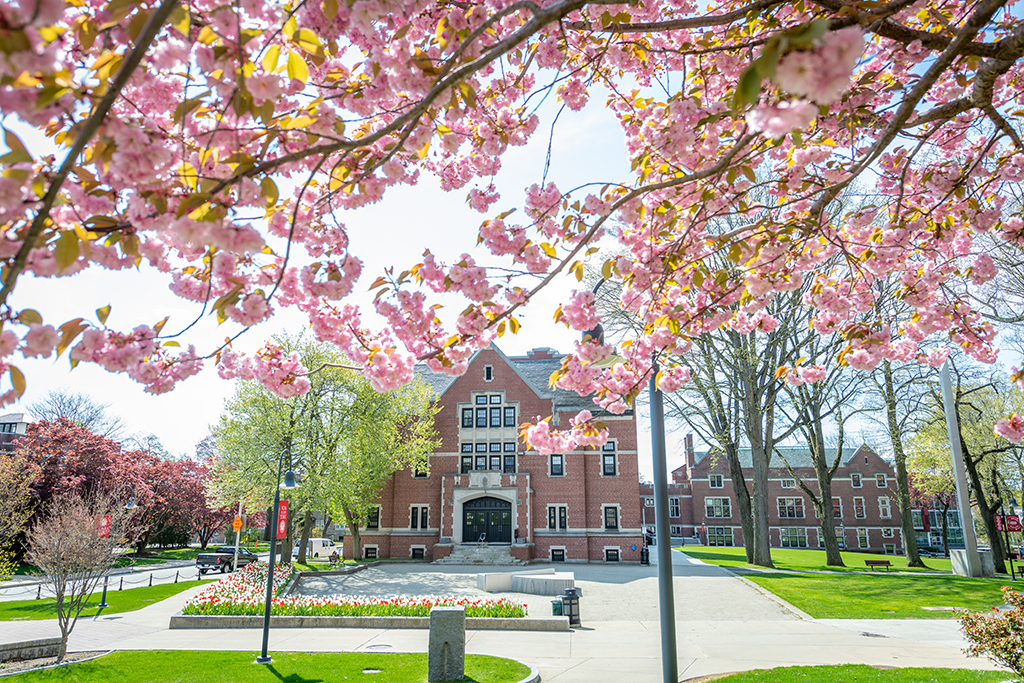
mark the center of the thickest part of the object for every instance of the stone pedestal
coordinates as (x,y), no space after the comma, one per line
(446,651)
(960,564)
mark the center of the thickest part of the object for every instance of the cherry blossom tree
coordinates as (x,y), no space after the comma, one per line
(221,146)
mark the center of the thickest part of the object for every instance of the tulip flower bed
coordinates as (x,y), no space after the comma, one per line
(244,594)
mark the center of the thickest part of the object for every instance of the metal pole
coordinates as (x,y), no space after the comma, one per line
(264,658)
(234,565)
(103,600)
(666,597)
(963,497)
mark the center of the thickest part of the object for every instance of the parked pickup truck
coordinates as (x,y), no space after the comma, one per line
(222,558)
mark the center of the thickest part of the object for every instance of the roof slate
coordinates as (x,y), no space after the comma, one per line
(797,457)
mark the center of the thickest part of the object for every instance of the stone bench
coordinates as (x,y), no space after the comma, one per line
(501,582)
(543,584)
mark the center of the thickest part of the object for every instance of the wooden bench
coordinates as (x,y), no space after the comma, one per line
(877,563)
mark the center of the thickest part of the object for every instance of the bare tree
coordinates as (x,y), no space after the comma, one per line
(80,408)
(74,545)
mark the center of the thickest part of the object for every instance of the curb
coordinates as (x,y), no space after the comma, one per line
(54,666)
(774,598)
(532,677)
(180,621)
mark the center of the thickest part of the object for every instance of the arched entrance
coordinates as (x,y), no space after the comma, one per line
(487,519)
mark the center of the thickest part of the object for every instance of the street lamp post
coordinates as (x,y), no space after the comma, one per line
(130,505)
(289,483)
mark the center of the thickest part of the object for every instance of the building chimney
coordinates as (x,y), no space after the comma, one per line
(689,450)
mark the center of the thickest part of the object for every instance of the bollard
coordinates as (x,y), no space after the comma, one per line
(175,576)
(151,579)
(121,587)
(446,658)
(39,593)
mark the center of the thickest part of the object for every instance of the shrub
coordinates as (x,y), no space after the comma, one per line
(999,635)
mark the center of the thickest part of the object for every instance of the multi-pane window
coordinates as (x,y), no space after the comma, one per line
(370,552)
(917,518)
(488,373)
(792,508)
(840,536)
(880,480)
(467,418)
(496,462)
(649,502)
(510,417)
(887,532)
(510,464)
(673,507)
(720,535)
(419,470)
(558,517)
(557,465)
(952,518)
(837,508)
(481,417)
(611,517)
(715,481)
(793,537)
(789,483)
(495,417)
(495,399)
(373,519)
(608,467)
(862,538)
(467,464)
(858,508)
(481,462)
(717,507)
(481,400)
(675,530)
(855,480)
(883,507)
(558,554)
(418,517)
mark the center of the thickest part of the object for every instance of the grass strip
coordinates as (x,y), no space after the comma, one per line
(128,600)
(812,560)
(238,667)
(881,596)
(861,673)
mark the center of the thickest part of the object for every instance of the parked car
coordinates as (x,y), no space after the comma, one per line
(223,558)
(316,547)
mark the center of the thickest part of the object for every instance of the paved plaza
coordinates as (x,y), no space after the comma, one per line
(724,623)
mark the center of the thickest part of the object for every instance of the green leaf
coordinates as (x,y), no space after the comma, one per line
(17,380)
(29,316)
(270,59)
(297,69)
(748,89)
(65,251)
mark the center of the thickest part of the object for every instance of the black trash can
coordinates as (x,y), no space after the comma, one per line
(571,605)
(645,556)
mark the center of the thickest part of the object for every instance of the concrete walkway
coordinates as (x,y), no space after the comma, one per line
(723,624)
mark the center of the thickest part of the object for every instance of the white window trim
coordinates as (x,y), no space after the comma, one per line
(418,507)
(491,368)
(616,549)
(679,506)
(376,551)
(711,481)
(884,507)
(707,498)
(618,516)
(551,553)
(885,480)
(420,547)
(803,508)
(547,516)
(550,474)
(860,480)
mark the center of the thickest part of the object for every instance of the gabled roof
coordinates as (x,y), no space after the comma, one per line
(535,373)
(15,417)
(796,456)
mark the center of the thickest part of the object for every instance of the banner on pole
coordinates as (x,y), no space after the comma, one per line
(999,522)
(1013,522)
(103,526)
(282,519)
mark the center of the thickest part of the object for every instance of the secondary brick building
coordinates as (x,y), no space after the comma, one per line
(702,501)
(485,486)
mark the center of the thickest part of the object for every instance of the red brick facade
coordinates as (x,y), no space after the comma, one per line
(483,482)
(703,501)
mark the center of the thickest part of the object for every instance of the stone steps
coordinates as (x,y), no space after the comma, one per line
(482,555)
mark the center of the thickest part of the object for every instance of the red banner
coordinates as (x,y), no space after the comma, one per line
(999,522)
(103,526)
(1013,522)
(282,519)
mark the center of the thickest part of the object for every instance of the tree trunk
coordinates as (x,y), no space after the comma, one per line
(902,479)
(327,525)
(826,518)
(762,547)
(307,527)
(739,485)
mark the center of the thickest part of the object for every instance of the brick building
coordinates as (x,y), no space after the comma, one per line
(484,486)
(702,501)
(12,425)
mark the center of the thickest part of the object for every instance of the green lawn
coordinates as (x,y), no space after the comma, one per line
(128,600)
(237,667)
(859,673)
(880,596)
(809,560)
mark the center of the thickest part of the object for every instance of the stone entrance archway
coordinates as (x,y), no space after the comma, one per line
(487,520)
